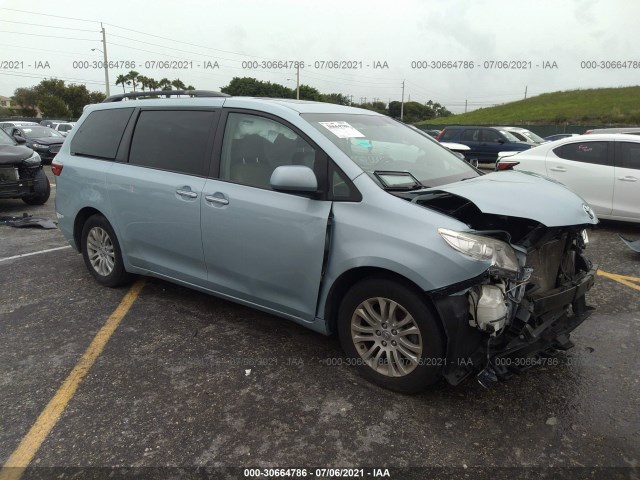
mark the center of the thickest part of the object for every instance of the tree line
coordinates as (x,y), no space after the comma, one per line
(55,99)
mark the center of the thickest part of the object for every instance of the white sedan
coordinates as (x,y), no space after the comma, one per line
(603,169)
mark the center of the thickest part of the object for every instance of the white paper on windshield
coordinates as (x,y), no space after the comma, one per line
(342,129)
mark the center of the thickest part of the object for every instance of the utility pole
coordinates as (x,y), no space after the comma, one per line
(525,91)
(402,104)
(465,105)
(106,63)
(298,82)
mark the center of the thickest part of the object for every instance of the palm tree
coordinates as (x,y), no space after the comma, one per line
(121,80)
(132,76)
(179,84)
(143,82)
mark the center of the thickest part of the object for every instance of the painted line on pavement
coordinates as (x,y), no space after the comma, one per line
(16,464)
(34,253)
(623,279)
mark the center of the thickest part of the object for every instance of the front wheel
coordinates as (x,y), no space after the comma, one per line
(101,252)
(388,330)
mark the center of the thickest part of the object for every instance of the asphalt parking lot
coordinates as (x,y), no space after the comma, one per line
(189,380)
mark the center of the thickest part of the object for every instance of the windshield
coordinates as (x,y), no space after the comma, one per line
(394,155)
(510,136)
(533,136)
(5,139)
(40,132)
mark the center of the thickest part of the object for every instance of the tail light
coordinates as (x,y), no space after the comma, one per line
(56,168)
(439,136)
(506,165)
(588,132)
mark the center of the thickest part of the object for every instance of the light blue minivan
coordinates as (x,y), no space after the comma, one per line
(337,218)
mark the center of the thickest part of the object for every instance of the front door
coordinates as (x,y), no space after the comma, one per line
(263,247)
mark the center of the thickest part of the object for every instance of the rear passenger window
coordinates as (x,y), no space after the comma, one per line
(172,140)
(472,135)
(585,152)
(254,146)
(100,134)
(630,155)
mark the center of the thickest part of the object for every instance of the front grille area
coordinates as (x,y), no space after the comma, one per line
(55,149)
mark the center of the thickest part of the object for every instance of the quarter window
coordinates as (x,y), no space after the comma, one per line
(630,155)
(172,140)
(253,147)
(100,134)
(585,152)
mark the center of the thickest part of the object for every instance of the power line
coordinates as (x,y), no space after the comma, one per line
(49,15)
(49,26)
(50,36)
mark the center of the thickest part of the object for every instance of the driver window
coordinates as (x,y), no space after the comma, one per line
(490,136)
(253,147)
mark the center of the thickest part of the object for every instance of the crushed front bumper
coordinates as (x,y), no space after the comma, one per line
(539,329)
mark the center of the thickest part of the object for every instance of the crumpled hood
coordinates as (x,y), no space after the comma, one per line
(14,154)
(524,195)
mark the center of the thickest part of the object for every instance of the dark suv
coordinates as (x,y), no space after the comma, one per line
(21,174)
(485,142)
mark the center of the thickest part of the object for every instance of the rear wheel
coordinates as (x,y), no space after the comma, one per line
(390,333)
(101,252)
(41,190)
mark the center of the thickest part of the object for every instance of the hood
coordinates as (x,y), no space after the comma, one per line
(47,140)
(524,195)
(14,154)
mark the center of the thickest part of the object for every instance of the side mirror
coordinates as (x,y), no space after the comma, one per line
(473,162)
(20,139)
(294,179)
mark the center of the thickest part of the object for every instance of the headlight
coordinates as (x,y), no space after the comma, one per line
(37,145)
(33,160)
(499,253)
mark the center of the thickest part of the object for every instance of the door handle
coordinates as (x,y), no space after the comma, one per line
(218,200)
(187,193)
(558,169)
(628,179)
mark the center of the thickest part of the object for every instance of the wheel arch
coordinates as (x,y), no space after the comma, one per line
(349,278)
(79,222)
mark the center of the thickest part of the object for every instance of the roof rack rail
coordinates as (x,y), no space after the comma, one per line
(155,93)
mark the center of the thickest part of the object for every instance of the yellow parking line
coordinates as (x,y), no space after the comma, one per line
(22,456)
(623,279)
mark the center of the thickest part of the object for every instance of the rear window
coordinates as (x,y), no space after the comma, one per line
(585,152)
(100,134)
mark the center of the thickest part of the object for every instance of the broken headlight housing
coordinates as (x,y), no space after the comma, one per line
(501,255)
(32,161)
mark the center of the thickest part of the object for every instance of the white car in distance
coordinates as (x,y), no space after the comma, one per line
(603,169)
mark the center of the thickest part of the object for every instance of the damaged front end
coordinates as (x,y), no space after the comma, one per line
(520,312)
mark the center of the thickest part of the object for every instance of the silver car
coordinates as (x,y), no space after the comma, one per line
(340,219)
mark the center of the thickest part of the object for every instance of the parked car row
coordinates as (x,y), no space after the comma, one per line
(485,142)
(602,168)
(44,140)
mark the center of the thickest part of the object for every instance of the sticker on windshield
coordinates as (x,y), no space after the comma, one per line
(342,129)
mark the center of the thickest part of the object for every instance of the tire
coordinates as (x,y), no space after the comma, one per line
(41,190)
(102,254)
(408,358)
